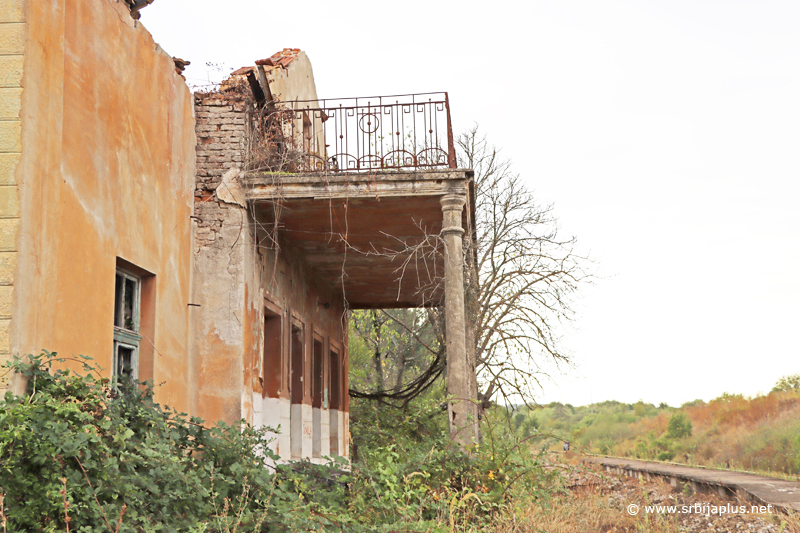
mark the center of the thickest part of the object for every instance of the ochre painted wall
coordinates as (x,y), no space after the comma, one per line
(106,171)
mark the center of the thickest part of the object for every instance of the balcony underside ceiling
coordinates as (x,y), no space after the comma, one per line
(373,238)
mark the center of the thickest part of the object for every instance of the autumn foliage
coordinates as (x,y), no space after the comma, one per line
(732,431)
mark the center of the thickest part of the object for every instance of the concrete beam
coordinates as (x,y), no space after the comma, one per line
(268,187)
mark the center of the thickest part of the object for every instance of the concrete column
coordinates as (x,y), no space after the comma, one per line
(462,409)
(471,311)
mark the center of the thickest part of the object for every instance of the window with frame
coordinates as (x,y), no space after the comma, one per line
(127,314)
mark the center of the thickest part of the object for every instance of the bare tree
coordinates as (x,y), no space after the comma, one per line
(521,288)
(521,278)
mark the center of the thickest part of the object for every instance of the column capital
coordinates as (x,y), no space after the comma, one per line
(452,206)
(453,201)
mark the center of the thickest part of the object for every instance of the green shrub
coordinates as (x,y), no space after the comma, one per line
(787,383)
(409,476)
(796,453)
(679,426)
(73,448)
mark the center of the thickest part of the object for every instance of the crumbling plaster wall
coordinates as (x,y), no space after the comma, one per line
(106,170)
(222,230)
(304,300)
(295,81)
(239,271)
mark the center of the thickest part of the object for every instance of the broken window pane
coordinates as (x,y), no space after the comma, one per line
(126,327)
(125,364)
(129,305)
(119,286)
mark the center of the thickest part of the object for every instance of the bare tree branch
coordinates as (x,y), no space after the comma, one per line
(521,279)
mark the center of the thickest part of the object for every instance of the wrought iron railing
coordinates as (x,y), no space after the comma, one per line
(361,134)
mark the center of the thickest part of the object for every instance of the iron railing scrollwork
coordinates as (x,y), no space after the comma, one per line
(363,134)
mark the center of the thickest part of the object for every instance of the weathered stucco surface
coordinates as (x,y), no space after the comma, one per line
(242,276)
(106,172)
(295,82)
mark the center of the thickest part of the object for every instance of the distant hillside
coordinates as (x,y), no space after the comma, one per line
(760,434)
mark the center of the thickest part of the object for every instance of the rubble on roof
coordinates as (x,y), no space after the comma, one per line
(280,59)
(180,64)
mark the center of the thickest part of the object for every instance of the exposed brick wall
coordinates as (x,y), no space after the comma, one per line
(223,258)
(222,133)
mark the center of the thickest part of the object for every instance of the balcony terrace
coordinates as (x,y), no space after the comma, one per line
(400,132)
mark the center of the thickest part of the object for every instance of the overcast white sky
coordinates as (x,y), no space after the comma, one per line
(666,133)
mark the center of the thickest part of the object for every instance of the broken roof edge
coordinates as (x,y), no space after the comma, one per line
(285,76)
(281,59)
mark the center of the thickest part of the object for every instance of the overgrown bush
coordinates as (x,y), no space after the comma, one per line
(412,477)
(77,454)
(74,449)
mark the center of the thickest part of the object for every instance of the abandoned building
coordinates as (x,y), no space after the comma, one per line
(214,242)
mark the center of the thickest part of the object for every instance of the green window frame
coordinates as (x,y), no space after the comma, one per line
(127,315)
